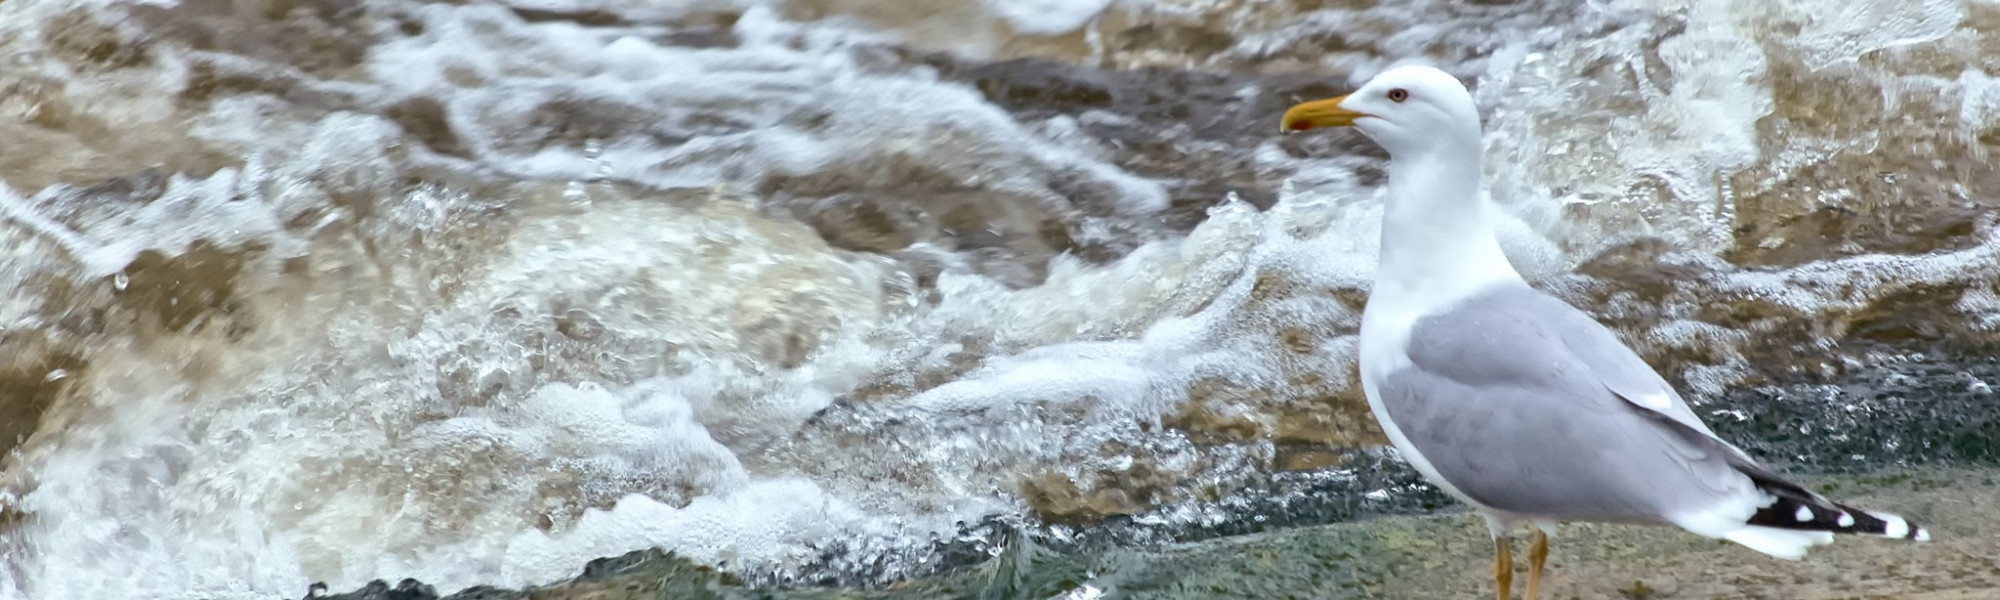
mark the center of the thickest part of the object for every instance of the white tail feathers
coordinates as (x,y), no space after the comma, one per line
(1790,519)
(1897,527)
(1788,544)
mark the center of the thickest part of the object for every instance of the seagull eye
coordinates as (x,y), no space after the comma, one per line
(1399,95)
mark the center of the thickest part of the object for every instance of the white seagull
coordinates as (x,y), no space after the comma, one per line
(1514,402)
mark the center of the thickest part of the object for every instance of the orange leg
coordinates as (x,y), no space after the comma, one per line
(1503,567)
(1538,553)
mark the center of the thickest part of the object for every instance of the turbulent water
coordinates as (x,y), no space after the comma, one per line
(315,290)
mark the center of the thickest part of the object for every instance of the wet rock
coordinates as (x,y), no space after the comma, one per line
(1000,236)
(32,377)
(645,574)
(425,119)
(905,382)
(1058,499)
(575,121)
(1031,84)
(1851,183)
(579,325)
(582,16)
(1290,36)
(1332,420)
(1190,38)
(1638,268)
(1070,499)
(1195,130)
(636,575)
(1292,457)
(1684,313)
(711,37)
(92,45)
(1217,411)
(188,291)
(322,37)
(76,141)
(1785,236)
(861,223)
(1903,409)
(1909,318)
(407,589)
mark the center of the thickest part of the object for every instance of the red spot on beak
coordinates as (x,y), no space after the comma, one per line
(1301,125)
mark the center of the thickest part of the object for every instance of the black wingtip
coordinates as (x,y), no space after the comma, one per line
(1792,507)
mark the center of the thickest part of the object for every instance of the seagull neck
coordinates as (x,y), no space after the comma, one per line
(1437,244)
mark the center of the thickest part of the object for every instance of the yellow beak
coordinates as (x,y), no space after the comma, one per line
(1319,113)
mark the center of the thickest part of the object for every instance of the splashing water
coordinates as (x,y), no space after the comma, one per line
(475,293)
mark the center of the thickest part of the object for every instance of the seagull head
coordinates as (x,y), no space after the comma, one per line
(1408,110)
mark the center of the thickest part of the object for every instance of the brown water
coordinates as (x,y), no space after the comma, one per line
(304,291)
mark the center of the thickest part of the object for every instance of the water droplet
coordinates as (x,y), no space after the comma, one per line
(56,375)
(120,281)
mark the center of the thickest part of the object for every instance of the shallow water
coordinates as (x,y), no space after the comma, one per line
(475,293)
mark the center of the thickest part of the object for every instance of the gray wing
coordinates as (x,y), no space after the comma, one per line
(1530,406)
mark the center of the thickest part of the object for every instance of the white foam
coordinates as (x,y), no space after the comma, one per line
(1979,106)
(1047,17)
(106,239)
(787,101)
(1844,31)
(70,242)
(762,521)
(1591,177)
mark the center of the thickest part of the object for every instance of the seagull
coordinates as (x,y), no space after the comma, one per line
(1521,406)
